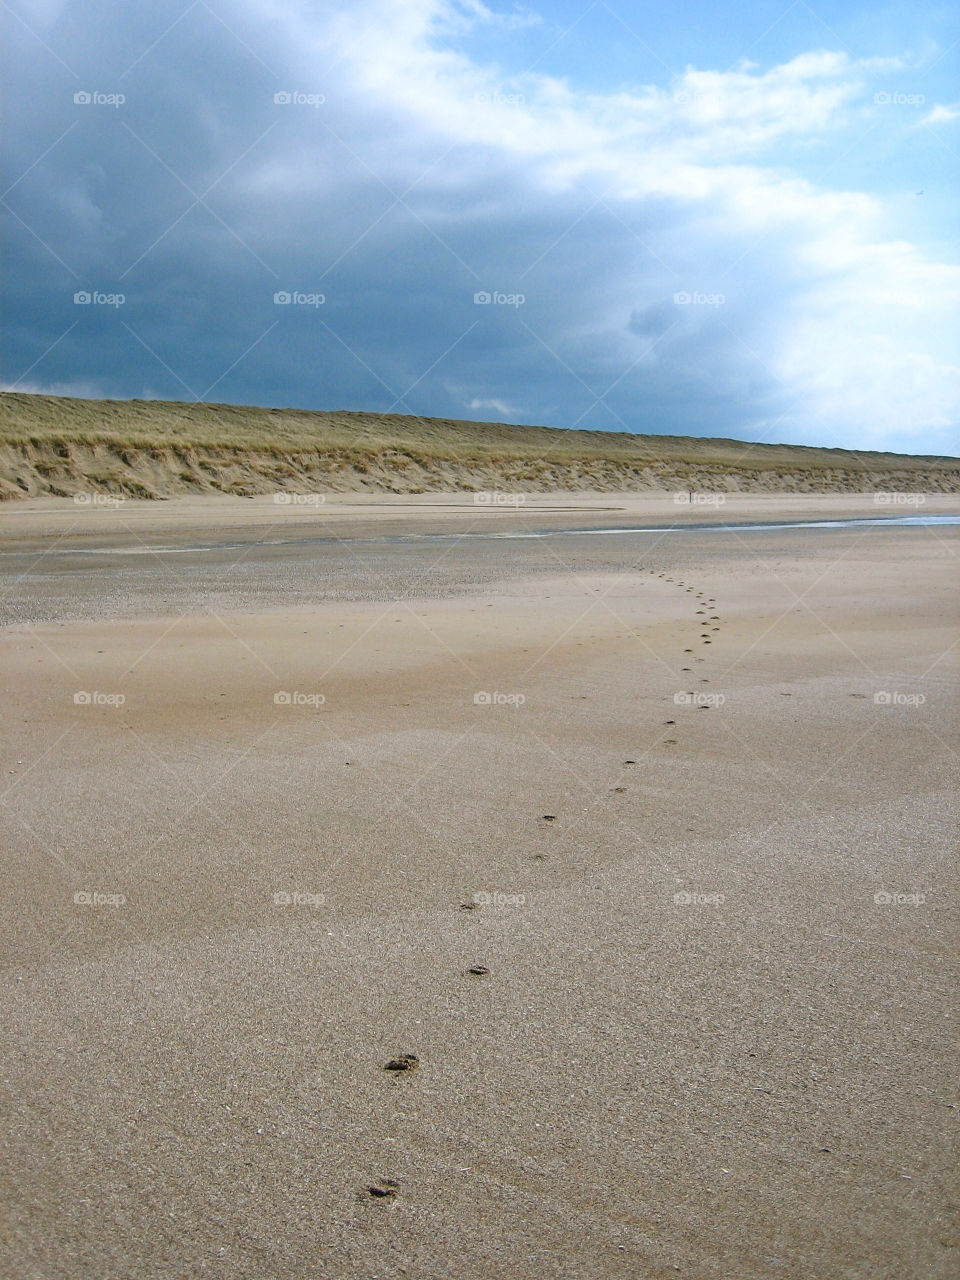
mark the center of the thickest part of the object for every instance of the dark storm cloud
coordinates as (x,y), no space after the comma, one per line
(199,197)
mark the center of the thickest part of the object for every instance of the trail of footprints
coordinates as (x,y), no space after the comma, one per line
(708,623)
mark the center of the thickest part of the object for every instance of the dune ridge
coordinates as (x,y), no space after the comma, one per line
(60,446)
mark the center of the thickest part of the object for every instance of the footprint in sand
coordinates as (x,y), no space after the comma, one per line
(383,1188)
(402,1062)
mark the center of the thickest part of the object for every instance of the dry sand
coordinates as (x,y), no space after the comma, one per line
(702,1046)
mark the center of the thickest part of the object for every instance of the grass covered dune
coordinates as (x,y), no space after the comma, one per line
(58,446)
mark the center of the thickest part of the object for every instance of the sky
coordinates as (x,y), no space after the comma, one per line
(679,218)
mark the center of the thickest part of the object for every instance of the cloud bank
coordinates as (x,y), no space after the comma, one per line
(348,206)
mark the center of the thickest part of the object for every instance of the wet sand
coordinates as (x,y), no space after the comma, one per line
(643,783)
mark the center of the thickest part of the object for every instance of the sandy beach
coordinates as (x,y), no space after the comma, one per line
(641,845)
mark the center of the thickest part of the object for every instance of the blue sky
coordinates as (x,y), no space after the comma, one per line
(688,219)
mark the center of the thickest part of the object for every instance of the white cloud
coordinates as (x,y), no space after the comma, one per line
(497,405)
(81,389)
(942,114)
(856,333)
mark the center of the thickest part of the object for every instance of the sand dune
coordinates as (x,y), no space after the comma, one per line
(61,447)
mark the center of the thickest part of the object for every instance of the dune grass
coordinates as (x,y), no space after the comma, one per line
(51,444)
